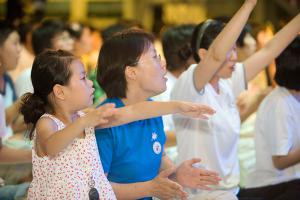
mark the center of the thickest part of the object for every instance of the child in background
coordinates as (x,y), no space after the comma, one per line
(277,133)
(66,163)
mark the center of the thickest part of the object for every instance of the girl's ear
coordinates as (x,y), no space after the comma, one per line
(202,52)
(58,91)
(130,73)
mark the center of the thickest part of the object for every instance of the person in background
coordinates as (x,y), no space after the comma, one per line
(178,54)
(277,134)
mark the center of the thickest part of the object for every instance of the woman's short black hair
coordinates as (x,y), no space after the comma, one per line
(5,30)
(122,49)
(176,42)
(204,34)
(43,35)
(288,66)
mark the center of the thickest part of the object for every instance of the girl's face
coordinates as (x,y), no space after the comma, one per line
(150,72)
(79,91)
(228,66)
(10,52)
(63,41)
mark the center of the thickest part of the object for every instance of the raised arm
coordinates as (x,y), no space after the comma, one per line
(261,59)
(220,47)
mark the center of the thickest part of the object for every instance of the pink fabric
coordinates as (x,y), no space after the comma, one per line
(2,118)
(67,175)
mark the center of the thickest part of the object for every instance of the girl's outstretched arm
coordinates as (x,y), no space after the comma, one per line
(150,109)
(220,47)
(51,141)
(261,59)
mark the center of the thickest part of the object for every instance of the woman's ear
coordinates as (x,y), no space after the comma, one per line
(130,73)
(202,52)
(58,91)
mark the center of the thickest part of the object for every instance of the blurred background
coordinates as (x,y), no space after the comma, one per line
(153,15)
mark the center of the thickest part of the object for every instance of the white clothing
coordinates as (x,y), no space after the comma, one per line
(2,118)
(23,83)
(214,140)
(213,195)
(25,61)
(165,96)
(66,176)
(277,132)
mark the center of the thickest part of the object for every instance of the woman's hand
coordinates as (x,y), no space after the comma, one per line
(189,176)
(195,110)
(164,188)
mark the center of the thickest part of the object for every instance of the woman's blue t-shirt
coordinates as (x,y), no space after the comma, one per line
(132,152)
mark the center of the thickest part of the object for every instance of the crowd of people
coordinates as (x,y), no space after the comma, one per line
(92,114)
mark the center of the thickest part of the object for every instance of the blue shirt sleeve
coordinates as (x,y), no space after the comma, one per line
(104,140)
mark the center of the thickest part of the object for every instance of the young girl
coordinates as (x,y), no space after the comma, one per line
(217,80)
(66,164)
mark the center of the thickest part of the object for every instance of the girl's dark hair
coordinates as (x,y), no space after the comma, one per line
(176,42)
(5,30)
(204,34)
(288,66)
(49,68)
(122,49)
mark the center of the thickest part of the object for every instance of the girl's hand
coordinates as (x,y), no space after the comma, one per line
(195,110)
(99,116)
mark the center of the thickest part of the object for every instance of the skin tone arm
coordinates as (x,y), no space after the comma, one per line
(282,162)
(106,116)
(14,118)
(149,109)
(249,103)
(14,156)
(217,52)
(261,59)
(161,186)
(12,112)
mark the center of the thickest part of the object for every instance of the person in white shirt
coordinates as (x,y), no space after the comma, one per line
(216,81)
(176,43)
(277,133)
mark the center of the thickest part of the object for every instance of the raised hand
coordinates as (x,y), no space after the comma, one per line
(195,110)
(164,188)
(99,116)
(189,176)
(253,2)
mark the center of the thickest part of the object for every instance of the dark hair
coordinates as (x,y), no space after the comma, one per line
(24,29)
(76,29)
(49,68)
(176,42)
(288,66)
(43,35)
(121,50)
(121,25)
(204,34)
(5,30)
(241,40)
